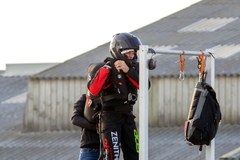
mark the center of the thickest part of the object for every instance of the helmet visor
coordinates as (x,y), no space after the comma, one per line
(127,50)
(130,43)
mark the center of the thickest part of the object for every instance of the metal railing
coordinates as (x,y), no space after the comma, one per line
(143,95)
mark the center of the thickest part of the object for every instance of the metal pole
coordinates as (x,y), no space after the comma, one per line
(143,104)
(210,150)
(178,52)
(143,100)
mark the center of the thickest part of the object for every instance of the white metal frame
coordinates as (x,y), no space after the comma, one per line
(143,97)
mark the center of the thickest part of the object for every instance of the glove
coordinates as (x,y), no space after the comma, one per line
(108,65)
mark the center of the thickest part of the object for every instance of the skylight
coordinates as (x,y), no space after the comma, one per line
(165,47)
(208,24)
(21,98)
(224,51)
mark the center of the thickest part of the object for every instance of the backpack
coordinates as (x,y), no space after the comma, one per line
(204,116)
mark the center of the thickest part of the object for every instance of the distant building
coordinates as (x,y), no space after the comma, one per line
(25,69)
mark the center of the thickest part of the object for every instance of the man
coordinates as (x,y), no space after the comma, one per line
(89,142)
(85,117)
(115,84)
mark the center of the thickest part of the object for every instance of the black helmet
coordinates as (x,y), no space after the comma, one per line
(121,42)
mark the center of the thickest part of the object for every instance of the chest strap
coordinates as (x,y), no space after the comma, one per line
(130,97)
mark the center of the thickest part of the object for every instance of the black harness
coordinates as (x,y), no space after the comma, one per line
(119,93)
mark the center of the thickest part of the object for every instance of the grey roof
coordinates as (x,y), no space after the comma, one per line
(175,30)
(76,67)
(12,87)
(164,144)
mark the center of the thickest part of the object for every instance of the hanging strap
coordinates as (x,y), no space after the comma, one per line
(201,66)
(181,66)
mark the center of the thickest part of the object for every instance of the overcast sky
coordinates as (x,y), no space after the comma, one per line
(38,31)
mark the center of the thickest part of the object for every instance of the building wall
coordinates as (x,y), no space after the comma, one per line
(50,101)
(228,93)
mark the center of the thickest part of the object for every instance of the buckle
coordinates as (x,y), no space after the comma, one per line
(132,97)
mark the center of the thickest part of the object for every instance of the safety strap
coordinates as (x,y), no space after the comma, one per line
(201,102)
(201,66)
(181,66)
(101,99)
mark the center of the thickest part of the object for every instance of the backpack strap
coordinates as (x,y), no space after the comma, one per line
(201,102)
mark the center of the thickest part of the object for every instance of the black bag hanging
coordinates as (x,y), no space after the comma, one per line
(204,115)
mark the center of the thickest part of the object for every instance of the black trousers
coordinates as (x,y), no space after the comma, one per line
(118,130)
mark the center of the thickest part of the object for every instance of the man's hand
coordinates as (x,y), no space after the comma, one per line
(121,65)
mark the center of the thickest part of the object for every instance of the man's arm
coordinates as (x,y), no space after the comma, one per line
(96,84)
(78,118)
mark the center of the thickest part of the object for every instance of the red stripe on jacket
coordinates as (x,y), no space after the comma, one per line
(135,83)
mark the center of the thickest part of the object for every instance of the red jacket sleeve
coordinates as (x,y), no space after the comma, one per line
(97,83)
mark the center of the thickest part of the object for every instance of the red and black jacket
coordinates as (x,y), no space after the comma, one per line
(113,87)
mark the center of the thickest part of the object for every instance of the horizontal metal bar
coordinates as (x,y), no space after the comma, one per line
(190,53)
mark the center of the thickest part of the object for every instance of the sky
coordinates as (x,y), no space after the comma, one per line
(53,31)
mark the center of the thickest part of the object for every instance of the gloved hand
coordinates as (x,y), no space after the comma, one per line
(108,65)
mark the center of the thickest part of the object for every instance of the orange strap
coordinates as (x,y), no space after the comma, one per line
(182,60)
(181,66)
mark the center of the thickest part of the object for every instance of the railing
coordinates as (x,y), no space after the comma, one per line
(143,96)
